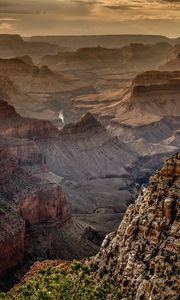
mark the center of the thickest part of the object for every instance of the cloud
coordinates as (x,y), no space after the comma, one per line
(8,19)
(121,7)
(73,6)
(90,2)
(171,1)
(85,16)
(7,27)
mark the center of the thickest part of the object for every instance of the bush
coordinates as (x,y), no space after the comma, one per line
(56,283)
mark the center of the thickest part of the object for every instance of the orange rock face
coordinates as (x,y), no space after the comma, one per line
(45,205)
(156,81)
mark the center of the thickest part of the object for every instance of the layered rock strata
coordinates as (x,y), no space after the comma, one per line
(35,220)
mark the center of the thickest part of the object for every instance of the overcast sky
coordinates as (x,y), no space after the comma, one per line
(78,17)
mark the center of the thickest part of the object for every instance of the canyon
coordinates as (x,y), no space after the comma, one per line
(84,123)
(60,184)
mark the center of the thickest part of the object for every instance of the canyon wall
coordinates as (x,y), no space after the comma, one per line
(35,219)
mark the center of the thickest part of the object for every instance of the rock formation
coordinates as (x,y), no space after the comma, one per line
(31,78)
(86,123)
(35,219)
(143,255)
(152,96)
(12,240)
(172,62)
(13,125)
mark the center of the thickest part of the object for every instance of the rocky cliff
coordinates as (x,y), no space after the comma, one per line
(13,125)
(152,96)
(172,62)
(12,239)
(143,255)
(87,123)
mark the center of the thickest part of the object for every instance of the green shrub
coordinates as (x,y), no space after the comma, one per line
(54,283)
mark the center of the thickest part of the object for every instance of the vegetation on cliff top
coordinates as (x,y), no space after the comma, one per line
(56,283)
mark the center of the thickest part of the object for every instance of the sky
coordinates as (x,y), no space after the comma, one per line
(90,17)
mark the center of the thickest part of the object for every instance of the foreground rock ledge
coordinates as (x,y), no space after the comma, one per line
(144,253)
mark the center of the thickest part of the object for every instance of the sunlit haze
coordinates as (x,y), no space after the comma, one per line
(89,17)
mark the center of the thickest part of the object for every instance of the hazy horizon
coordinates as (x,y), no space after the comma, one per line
(88,35)
(90,17)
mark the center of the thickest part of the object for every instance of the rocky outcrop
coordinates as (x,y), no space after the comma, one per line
(172,62)
(140,57)
(86,123)
(12,237)
(152,78)
(7,111)
(29,77)
(23,151)
(172,65)
(7,89)
(14,66)
(143,255)
(156,84)
(152,96)
(13,125)
(44,205)
(26,59)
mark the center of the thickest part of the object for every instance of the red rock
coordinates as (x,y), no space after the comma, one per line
(12,238)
